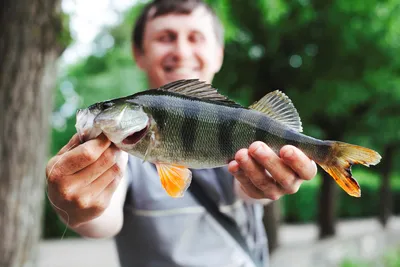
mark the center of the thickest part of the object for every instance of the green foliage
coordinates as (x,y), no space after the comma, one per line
(388,259)
(337,60)
(301,207)
(64,38)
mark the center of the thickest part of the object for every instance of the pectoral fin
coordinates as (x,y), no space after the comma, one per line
(175,179)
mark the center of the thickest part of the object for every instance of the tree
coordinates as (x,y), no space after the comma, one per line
(30,34)
(336,60)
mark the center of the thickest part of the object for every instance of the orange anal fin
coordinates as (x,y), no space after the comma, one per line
(175,179)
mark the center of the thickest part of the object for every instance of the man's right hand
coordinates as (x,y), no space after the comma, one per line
(82,180)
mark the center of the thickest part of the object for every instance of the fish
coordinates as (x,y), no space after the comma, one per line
(187,124)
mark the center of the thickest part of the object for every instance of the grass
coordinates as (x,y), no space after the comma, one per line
(390,259)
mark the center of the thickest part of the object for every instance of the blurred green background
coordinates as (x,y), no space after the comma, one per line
(337,60)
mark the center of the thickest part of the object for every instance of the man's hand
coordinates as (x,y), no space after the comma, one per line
(263,174)
(82,180)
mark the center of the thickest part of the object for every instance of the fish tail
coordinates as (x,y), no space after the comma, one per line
(339,163)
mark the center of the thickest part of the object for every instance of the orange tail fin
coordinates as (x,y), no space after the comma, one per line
(342,158)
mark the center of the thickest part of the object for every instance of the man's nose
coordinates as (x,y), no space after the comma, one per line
(183,48)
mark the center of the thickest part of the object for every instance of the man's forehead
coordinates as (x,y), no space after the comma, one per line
(198,19)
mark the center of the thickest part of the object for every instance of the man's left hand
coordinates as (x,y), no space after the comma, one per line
(263,174)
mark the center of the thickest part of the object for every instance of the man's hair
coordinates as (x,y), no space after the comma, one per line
(164,7)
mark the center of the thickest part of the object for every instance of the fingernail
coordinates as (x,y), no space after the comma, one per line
(288,153)
(258,151)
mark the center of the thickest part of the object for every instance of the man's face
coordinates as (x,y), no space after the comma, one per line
(179,46)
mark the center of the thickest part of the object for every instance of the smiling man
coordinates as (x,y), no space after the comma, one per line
(100,191)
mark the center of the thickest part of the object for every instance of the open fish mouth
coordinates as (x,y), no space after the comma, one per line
(135,137)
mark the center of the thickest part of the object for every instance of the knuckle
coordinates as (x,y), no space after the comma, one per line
(53,173)
(65,192)
(99,207)
(116,171)
(287,182)
(108,158)
(273,196)
(53,177)
(88,154)
(81,202)
(267,159)
(260,183)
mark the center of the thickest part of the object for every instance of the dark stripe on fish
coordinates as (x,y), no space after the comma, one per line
(159,114)
(189,126)
(226,125)
(263,125)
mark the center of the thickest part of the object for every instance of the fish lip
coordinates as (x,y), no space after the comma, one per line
(84,125)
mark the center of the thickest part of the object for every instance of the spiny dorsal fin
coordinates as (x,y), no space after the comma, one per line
(197,89)
(279,107)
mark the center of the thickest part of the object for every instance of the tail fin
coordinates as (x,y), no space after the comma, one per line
(342,158)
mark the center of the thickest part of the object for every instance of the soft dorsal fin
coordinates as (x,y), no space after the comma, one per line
(279,107)
(197,89)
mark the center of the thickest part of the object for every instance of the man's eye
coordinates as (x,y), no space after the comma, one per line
(195,37)
(165,38)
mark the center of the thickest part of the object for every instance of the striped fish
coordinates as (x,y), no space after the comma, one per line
(188,124)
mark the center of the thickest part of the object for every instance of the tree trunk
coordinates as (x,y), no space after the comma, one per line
(272,215)
(28,53)
(327,207)
(385,199)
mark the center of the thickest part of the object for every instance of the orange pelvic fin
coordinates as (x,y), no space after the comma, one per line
(174,178)
(343,157)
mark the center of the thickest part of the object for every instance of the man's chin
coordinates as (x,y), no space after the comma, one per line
(174,77)
(155,83)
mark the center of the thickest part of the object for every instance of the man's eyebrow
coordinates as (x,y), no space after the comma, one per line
(197,31)
(167,30)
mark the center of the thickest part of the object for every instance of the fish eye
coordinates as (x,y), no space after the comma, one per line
(106,105)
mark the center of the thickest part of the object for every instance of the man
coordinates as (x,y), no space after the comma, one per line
(99,193)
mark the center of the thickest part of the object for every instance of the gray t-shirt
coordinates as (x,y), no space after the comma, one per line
(161,231)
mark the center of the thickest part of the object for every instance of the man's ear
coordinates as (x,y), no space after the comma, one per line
(138,56)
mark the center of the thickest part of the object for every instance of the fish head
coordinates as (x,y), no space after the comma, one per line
(84,123)
(121,122)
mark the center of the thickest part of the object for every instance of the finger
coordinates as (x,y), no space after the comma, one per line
(73,142)
(89,174)
(281,173)
(109,180)
(258,175)
(80,157)
(303,166)
(247,186)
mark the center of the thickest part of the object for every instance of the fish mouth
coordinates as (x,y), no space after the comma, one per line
(135,137)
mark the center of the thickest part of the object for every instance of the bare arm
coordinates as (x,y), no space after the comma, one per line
(87,187)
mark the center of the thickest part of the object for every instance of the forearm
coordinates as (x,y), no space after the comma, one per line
(105,226)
